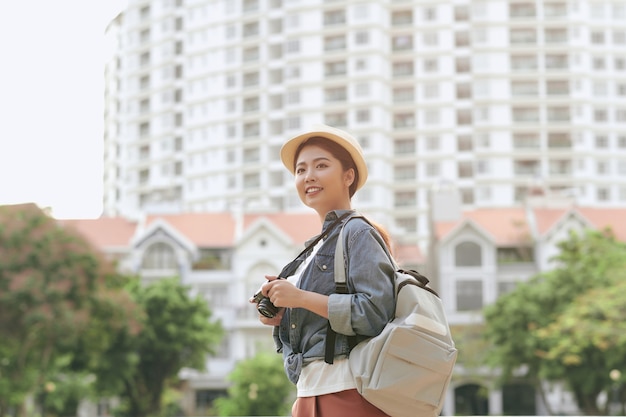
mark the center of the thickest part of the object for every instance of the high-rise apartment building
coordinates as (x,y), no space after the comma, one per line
(494,97)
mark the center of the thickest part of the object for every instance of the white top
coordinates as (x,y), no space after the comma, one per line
(319,377)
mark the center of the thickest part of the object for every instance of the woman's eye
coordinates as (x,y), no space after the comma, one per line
(321,165)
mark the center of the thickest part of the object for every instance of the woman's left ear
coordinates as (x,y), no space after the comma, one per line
(349,177)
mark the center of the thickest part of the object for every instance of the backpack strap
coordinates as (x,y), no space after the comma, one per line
(341,287)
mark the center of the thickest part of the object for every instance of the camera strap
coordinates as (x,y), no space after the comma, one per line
(292,266)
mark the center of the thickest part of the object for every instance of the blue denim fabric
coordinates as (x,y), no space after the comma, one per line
(364,312)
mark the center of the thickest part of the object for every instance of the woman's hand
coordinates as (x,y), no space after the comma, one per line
(281,292)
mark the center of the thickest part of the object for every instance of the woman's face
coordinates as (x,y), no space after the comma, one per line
(321,182)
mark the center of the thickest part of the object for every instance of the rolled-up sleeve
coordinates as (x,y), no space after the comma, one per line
(370,304)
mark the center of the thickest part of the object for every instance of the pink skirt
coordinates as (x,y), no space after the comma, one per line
(338,404)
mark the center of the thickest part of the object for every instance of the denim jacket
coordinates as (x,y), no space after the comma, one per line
(363,312)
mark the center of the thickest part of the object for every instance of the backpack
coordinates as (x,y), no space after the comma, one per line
(406,369)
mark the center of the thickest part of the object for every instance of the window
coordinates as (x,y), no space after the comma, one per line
(461,13)
(464,143)
(555,36)
(461,39)
(525,114)
(402,43)
(251,129)
(556,61)
(362,115)
(526,167)
(335,43)
(144,59)
(465,169)
(409,224)
(250,29)
(526,141)
(524,88)
(251,181)
(557,88)
(362,38)
(403,94)
(523,62)
(469,295)
(464,117)
(335,68)
(467,254)
(560,167)
(405,199)
(512,255)
(433,169)
(431,65)
(334,17)
(463,91)
(522,10)
(402,17)
(336,119)
(522,36)
(251,54)
(403,120)
(251,155)
(159,256)
(404,147)
(251,79)
(463,64)
(597,37)
(335,94)
(559,140)
(250,104)
(402,69)
(555,9)
(603,194)
(600,115)
(404,172)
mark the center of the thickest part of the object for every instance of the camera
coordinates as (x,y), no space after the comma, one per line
(264,305)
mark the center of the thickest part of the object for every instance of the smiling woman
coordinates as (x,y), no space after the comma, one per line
(52,94)
(329,167)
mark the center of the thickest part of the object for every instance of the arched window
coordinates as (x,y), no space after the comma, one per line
(159,256)
(467,254)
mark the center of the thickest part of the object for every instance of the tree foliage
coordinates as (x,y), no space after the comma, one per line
(54,288)
(545,326)
(259,388)
(176,332)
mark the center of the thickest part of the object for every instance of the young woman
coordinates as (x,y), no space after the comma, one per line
(329,168)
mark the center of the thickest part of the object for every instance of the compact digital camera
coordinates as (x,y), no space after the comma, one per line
(264,305)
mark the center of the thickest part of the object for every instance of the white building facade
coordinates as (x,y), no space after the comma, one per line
(493,96)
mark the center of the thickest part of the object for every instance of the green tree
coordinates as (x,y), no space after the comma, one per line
(53,286)
(259,388)
(590,335)
(518,323)
(176,332)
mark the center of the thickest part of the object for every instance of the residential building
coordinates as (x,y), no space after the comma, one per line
(476,256)
(223,258)
(493,96)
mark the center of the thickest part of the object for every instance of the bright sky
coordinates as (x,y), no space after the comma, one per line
(51,103)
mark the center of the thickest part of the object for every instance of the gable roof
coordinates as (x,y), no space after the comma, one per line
(203,229)
(515,225)
(505,226)
(601,218)
(104,232)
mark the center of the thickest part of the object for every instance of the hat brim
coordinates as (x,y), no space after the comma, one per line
(343,139)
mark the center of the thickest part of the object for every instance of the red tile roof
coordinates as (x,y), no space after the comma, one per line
(508,226)
(203,229)
(105,232)
(614,218)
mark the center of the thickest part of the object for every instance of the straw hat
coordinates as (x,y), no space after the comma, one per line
(344,139)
